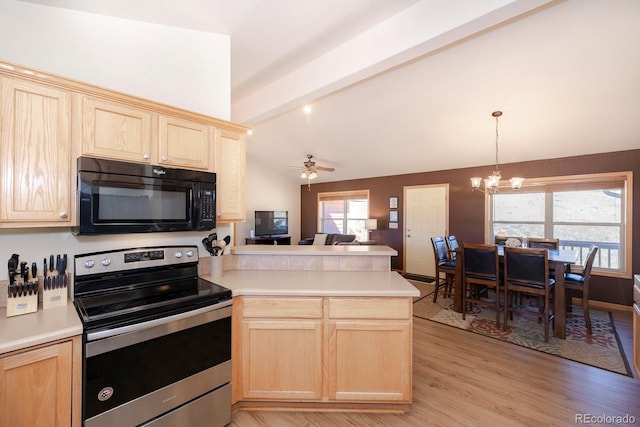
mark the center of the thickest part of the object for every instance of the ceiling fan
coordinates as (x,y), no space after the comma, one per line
(310,170)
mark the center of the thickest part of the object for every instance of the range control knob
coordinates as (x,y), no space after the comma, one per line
(189,253)
(178,254)
(106,262)
(89,263)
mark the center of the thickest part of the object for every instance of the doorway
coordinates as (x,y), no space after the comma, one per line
(426,210)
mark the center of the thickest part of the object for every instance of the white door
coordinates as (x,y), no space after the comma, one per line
(426,215)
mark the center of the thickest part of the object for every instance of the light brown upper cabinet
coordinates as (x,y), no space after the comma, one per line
(185,144)
(35,154)
(230,169)
(48,121)
(112,130)
(121,132)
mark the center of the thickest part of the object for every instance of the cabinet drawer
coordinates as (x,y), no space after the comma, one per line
(636,293)
(282,308)
(369,308)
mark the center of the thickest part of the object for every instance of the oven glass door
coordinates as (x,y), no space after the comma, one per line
(123,368)
(121,203)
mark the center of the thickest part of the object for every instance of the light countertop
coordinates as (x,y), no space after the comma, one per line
(316,283)
(337,250)
(43,326)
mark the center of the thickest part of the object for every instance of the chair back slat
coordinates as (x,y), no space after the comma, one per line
(480,260)
(440,249)
(527,265)
(543,243)
(452,245)
(591,256)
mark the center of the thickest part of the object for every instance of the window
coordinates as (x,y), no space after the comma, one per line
(344,212)
(577,210)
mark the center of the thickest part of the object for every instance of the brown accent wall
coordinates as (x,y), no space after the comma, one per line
(466,208)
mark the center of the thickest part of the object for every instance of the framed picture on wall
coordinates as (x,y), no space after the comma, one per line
(393,216)
(393,202)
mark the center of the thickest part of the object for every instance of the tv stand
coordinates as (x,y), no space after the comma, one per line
(272,240)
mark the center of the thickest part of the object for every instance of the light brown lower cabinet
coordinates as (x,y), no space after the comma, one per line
(40,386)
(328,352)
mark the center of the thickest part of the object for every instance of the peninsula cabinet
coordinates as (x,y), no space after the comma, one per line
(35,149)
(282,348)
(230,168)
(325,353)
(369,343)
(37,386)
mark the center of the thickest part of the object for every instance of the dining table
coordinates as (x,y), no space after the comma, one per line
(559,258)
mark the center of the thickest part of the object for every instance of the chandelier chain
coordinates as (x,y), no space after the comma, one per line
(497,163)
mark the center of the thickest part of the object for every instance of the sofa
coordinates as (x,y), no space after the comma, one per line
(329,239)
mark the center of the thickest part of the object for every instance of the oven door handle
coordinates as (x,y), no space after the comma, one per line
(112,339)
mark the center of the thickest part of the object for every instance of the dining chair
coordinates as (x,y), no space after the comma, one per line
(543,243)
(452,245)
(481,273)
(502,240)
(578,284)
(444,265)
(526,272)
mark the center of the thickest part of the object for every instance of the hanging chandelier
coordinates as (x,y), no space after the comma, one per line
(492,182)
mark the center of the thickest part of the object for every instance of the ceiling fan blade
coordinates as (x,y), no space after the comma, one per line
(322,168)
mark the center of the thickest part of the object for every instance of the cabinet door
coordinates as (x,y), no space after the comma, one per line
(36,387)
(114,131)
(35,153)
(369,360)
(185,144)
(282,359)
(230,176)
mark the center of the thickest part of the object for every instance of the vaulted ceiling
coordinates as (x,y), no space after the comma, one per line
(408,86)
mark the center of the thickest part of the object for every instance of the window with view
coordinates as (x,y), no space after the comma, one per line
(344,212)
(579,211)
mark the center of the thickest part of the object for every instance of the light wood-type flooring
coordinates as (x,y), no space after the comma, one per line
(464,379)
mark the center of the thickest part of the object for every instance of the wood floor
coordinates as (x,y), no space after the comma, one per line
(465,379)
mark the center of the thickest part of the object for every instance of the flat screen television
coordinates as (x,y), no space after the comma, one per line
(271,223)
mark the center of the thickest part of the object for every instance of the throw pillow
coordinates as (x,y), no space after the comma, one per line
(319,239)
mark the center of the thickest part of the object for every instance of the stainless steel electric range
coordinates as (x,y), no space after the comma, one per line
(157,339)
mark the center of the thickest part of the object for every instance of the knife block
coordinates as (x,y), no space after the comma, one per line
(54,297)
(21,305)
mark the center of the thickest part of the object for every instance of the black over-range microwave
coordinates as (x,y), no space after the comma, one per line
(122,197)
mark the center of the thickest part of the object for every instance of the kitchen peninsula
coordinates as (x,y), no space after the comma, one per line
(321,328)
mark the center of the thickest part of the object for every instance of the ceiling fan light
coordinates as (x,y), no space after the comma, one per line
(303,175)
(313,175)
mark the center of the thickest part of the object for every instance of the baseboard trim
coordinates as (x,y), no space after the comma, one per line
(601,305)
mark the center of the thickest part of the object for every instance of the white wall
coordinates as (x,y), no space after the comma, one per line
(270,191)
(183,68)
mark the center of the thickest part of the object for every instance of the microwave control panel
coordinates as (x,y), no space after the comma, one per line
(208,208)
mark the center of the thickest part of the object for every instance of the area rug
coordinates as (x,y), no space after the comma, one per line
(602,349)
